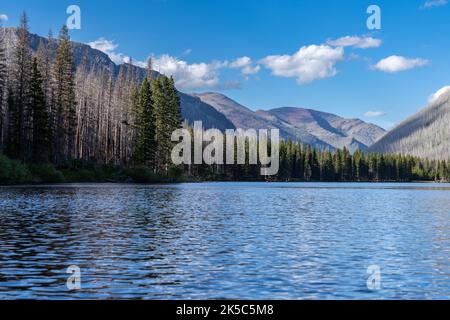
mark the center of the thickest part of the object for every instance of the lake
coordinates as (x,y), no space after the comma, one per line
(226,240)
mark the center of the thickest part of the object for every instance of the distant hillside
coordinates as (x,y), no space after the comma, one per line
(317,128)
(424,134)
(192,108)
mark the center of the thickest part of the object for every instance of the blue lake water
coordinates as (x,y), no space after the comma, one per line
(226,240)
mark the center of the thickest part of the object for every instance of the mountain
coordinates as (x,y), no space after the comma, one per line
(424,134)
(192,108)
(317,128)
(323,130)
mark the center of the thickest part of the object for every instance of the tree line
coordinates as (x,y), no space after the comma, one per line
(301,162)
(52,112)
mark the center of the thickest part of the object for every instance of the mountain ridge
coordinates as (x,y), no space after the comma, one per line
(323,130)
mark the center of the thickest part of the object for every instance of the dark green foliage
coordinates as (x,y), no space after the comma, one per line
(142,174)
(82,175)
(304,163)
(20,173)
(64,86)
(5,168)
(167,119)
(13,172)
(175,172)
(41,129)
(145,149)
(46,173)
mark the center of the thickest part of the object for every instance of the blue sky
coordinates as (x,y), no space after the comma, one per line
(265,54)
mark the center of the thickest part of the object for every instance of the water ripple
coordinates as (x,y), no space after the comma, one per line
(225,240)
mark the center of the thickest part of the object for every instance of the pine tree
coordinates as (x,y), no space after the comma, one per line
(44,54)
(299,163)
(381,168)
(338,165)
(283,170)
(175,106)
(145,126)
(315,165)
(326,168)
(65,103)
(359,164)
(346,165)
(41,128)
(167,118)
(21,128)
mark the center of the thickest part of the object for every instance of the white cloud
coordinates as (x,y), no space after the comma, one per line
(355,41)
(109,47)
(395,64)
(103,45)
(435,96)
(241,62)
(186,75)
(3,17)
(247,70)
(308,64)
(374,114)
(434,3)
(245,63)
(189,76)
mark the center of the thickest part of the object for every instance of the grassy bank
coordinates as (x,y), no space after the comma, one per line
(15,172)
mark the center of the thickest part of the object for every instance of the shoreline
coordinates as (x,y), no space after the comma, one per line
(43,184)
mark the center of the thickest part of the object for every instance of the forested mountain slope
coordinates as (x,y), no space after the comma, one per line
(424,134)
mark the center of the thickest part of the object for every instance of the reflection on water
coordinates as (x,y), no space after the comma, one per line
(226,240)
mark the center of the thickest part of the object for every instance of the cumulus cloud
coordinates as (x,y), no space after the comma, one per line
(306,65)
(248,70)
(355,41)
(186,75)
(374,114)
(435,96)
(394,64)
(241,62)
(3,17)
(109,47)
(434,3)
(246,65)
(189,76)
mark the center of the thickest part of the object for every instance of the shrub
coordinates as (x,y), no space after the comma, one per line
(141,174)
(175,173)
(13,172)
(85,176)
(46,174)
(5,169)
(20,173)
